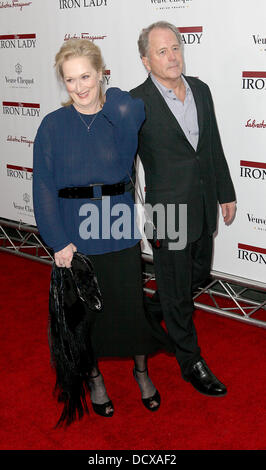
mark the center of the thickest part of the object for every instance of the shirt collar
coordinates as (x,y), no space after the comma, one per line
(168,92)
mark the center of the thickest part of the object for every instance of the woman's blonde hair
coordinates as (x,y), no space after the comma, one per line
(79,48)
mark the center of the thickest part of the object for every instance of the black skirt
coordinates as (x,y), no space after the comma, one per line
(121,328)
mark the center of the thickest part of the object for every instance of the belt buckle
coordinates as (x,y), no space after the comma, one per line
(96,198)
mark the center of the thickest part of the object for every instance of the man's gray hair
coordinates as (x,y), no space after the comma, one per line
(143,41)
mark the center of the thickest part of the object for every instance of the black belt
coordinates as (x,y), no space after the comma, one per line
(94,191)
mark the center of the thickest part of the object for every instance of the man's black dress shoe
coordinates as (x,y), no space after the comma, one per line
(205,381)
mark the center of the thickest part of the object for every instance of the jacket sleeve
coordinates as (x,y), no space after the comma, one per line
(45,198)
(225,188)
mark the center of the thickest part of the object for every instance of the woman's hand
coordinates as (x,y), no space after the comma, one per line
(64,257)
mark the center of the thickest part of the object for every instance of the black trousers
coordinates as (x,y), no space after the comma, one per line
(178,273)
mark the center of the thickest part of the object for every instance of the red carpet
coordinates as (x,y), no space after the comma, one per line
(186,420)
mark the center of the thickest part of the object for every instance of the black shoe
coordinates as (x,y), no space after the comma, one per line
(148,402)
(205,381)
(102,409)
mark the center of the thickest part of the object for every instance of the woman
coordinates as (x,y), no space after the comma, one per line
(91,142)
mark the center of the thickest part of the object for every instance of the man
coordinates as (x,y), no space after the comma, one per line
(184,163)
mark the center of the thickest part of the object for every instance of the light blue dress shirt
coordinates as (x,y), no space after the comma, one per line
(185,113)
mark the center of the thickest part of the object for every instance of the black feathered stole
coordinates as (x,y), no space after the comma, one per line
(74,301)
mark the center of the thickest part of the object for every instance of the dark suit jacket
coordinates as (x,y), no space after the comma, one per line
(174,172)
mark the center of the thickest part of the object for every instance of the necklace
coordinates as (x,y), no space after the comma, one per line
(90,124)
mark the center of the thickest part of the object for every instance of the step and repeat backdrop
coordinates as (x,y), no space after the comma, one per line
(224,45)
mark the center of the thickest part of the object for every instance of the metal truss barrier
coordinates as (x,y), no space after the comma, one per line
(24,240)
(238,291)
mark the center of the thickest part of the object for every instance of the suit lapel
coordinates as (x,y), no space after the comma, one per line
(163,109)
(160,106)
(199,105)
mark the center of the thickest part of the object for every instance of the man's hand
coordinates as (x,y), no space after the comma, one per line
(228,211)
(64,257)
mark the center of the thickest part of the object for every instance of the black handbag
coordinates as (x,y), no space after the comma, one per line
(74,302)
